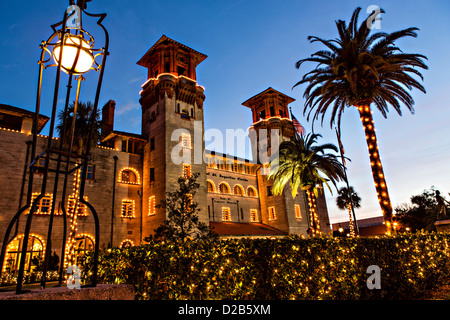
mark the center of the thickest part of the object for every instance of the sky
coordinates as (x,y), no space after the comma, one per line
(252,45)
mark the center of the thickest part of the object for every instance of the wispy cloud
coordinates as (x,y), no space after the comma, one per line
(130,106)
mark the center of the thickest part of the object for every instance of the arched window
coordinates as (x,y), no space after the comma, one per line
(84,244)
(210,185)
(35,248)
(129,175)
(251,192)
(127,243)
(238,190)
(224,188)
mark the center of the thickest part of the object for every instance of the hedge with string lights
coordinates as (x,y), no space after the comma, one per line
(289,268)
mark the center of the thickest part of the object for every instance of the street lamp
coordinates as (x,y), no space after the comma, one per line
(78,57)
(72,50)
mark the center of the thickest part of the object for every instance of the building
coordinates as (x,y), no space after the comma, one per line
(130,173)
(368,227)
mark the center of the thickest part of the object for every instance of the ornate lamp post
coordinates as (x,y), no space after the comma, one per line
(70,49)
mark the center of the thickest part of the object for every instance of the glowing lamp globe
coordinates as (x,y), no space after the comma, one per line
(74,46)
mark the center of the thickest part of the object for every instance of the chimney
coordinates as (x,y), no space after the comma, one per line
(108,118)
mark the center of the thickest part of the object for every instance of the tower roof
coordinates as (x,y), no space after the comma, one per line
(164,40)
(268,91)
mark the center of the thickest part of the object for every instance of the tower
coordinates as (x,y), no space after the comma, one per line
(271,126)
(172,110)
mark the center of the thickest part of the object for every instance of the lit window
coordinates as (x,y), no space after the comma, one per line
(151,206)
(186,140)
(253,215)
(298,214)
(224,188)
(226,215)
(272,214)
(44,206)
(128,208)
(84,244)
(238,190)
(186,171)
(129,175)
(35,249)
(210,185)
(80,207)
(251,192)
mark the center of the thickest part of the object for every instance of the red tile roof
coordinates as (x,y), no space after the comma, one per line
(245,229)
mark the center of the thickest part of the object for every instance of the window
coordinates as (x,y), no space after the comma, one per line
(84,244)
(226,214)
(128,208)
(35,248)
(210,186)
(152,174)
(39,165)
(238,190)
(186,140)
(186,171)
(224,188)
(269,191)
(262,114)
(181,71)
(178,108)
(152,144)
(126,244)
(44,206)
(128,176)
(192,112)
(73,205)
(272,214)
(272,111)
(253,215)
(280,111)
(90,172)
(185,114)
(251,192)
(298,214)
(151,206)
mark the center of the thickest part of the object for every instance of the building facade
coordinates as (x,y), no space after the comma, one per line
(129,174)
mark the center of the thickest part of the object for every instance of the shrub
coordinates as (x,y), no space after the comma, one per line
(288,268)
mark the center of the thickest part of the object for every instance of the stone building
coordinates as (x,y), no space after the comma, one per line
(130,173)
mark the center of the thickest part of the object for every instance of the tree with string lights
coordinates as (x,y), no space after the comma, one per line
(362,70)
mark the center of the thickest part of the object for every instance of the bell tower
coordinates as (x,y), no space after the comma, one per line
(271,126)
(270,120)
(172,102)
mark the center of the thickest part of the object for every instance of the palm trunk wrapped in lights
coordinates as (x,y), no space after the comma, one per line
(377,169)
(313,217)
(350,220)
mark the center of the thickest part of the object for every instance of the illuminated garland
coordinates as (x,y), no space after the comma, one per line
(314,218)
(71,241)
(375,162)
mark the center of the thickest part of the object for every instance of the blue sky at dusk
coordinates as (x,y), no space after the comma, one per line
(252,45)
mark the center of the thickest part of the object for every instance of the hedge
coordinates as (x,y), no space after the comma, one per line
(288,268)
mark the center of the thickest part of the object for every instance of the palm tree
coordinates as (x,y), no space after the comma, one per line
(360,70)
(307,166)
(81,131)
(348,198)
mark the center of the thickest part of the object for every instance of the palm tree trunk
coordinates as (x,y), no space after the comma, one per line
(314,218)
(350,220)
(375,162)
